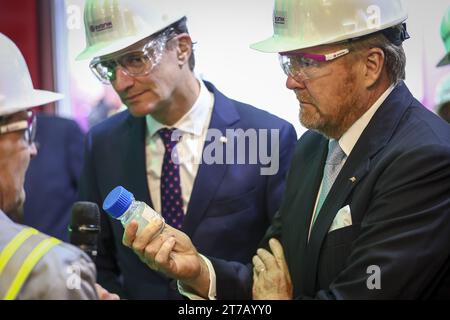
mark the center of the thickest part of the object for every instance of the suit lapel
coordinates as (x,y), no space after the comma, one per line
(373,139)
(298,204)
(210,176)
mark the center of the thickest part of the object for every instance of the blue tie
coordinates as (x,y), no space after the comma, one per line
(335,161)
(171,197)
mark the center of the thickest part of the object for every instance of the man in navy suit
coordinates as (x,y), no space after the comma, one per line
(366,212)
(53,176)
(224,199)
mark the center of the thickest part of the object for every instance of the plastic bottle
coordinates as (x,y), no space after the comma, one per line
(121,205)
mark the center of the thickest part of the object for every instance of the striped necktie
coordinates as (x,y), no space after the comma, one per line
(335,160)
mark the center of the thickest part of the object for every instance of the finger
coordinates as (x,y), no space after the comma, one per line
(130,233)
(255,283)
(146,236)
(267,259)
(151,250)
(163,257)
(277,250)
(113,296)
(258,264)
(104,294)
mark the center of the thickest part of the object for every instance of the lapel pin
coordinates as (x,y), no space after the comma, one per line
(353,179)
(223,140)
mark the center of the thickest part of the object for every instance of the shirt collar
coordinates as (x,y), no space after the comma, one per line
(193,121)
(348,140)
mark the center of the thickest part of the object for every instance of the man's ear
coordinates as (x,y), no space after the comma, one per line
(374,61)
(184,48)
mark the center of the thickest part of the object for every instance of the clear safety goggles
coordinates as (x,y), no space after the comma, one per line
(28,126)
(135,63)
(306,66)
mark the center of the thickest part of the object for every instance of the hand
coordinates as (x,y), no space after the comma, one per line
(103,294)
(271,278)
(170,252)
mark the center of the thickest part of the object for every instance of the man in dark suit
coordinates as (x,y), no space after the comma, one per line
(366,212)
(225,202)
(53,176)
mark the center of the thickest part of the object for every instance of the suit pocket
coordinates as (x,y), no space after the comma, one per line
(341,236)
(232,205)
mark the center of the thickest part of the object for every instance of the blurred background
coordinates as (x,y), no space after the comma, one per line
(50,33)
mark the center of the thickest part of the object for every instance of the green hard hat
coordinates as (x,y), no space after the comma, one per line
(445,34)
(443,92)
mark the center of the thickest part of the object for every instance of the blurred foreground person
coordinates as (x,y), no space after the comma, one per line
(33,266)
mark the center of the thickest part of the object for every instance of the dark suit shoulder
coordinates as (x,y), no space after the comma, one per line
(424,127)
(110,125)
(258,118)
(59,124)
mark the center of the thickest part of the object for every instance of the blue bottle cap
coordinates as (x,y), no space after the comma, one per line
(117,202)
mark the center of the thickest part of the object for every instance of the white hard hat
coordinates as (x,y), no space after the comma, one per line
(113,25)
(300,24)
(16,87)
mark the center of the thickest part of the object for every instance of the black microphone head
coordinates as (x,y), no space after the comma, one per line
(85,226)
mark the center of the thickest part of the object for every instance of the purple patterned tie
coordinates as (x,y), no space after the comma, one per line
(171,197)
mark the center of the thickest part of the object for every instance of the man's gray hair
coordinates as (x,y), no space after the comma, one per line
(395,58)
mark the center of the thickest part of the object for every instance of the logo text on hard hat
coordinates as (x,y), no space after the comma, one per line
(280,18)
(101,27)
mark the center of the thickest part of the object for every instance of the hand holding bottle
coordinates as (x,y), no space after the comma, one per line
(170,252)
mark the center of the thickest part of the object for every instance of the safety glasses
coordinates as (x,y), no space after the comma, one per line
(306,66)
(135,63)
(28,125)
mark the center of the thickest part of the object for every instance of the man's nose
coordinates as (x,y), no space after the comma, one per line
(33,150)
(123,81)
(292,83)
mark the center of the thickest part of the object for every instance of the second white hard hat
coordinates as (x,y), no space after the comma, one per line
(113,25)
(300,24)
(16,87)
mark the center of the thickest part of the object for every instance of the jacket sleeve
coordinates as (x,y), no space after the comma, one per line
(234,280)
(64,273)
(106,261)
(284,150)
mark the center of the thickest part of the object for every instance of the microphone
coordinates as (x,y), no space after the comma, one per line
(84,227)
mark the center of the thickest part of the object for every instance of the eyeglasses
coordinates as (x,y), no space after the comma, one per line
(28,125)
(135,63)
(306,66)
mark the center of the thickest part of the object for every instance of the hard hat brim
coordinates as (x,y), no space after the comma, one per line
(106,48)
(35,99)
(275,44)
(445,61)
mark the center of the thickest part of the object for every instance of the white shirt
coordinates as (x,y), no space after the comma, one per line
(193,127)
(347,142)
